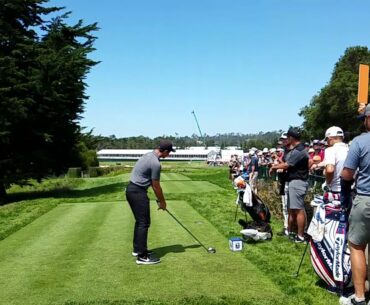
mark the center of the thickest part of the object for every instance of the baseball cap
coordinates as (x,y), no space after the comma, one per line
(284,135)
(166,145)
(294,133)
(334,131)
(366,113)
(315,142)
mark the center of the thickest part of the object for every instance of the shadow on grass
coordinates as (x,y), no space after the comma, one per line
(162,251)
(67,192)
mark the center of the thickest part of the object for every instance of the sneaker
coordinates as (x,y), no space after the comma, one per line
(350,301)
(298,239)
(147,260)
(292,235)
(149,252)
(284,232)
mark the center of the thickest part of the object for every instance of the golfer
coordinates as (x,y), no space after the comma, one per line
(146,173)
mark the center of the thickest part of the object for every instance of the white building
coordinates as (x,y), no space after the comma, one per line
(193,154)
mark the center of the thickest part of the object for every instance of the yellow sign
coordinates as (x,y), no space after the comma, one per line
(363,84)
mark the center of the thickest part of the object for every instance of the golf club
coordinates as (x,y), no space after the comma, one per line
(300,264)
(209,250)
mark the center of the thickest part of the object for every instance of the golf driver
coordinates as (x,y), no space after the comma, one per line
(209,250)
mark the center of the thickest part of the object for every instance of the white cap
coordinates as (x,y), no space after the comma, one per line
(259,153)
(265,150)
(272,150)
(284,136)
(334,131)
(251,152)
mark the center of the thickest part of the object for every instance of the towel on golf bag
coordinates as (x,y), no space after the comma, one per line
(245,195)
(330,257)
(256,230)
(258,210)
(317,226)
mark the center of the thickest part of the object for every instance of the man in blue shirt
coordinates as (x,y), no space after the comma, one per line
(359,220)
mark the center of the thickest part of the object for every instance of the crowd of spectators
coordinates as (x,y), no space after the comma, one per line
(345,169)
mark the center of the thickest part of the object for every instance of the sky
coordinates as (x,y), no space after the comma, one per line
(243,66)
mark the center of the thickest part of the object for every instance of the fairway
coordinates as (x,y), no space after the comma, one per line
(189,187)
(82,252)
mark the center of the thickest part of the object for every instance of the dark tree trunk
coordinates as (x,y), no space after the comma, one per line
(2,194)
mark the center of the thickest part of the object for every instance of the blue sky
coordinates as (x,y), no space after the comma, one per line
(243,65)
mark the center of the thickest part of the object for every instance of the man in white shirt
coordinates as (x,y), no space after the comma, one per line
(335,156)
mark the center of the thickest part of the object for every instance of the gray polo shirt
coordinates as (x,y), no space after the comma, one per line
(359,157)
(146,169)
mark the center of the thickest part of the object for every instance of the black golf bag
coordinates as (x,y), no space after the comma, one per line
(258,210)
(259,228)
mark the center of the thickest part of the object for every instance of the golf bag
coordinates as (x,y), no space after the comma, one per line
(256,208)
(258,228)
(330,256)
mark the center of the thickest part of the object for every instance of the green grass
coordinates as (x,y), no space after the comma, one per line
(82,252)
(71,244)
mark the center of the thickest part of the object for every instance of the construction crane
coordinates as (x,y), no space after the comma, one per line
(200,132)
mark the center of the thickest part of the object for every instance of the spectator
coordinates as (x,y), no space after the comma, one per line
(306,146)
(253,171)
(359,220)
(334,158)
(283,186)
(296,164)
(318,150)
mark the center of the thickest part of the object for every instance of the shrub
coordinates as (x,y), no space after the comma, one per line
(74,172)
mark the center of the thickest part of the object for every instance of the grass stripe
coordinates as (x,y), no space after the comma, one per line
(57,244)
(181,187)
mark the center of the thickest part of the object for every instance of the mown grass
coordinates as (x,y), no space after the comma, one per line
(277,259)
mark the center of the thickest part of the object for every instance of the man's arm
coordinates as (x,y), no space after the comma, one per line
(348,174)
(156,185)
(329,173)
(283,166)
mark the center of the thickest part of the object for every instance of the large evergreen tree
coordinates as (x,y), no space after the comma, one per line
(336,103)
(43,65)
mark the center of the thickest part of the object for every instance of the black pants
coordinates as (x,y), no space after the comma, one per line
(138,200)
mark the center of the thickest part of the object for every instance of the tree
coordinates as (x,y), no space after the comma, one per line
(43,65)
(336,103)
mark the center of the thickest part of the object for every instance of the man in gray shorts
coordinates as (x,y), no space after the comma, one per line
(146,173)
(358,158)
(296,165)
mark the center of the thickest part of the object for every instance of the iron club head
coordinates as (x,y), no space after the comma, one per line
(211,250)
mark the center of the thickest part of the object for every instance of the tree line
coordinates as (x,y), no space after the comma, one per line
(244,141)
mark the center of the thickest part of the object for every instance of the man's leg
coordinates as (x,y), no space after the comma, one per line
(292,220)
(358,265)
(284,202)
(297,192)
(301,222)
(139,203)
(255,176)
